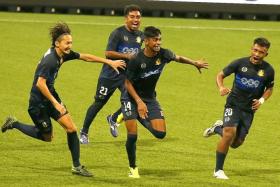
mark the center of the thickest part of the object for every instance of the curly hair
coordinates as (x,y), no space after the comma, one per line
(58,30)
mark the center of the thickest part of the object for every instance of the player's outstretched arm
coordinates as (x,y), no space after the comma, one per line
(117,55)
(115,64)
(199,64)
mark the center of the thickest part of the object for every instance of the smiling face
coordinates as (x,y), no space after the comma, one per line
(63,44)
(258,53)
(153,44)
(133,20)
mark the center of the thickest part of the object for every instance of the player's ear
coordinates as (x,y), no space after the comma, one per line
(266,54)
(56,43)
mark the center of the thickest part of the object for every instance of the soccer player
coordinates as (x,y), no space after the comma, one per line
(252,85)
(143,72)
(123,43)
(44,102)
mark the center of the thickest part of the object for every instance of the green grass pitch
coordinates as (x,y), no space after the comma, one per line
(191,102)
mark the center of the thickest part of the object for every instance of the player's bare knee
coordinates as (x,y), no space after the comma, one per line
(71,129)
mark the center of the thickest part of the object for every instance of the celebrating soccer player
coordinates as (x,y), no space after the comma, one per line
(252,85)
(143,72)
(124,42)
(44,102)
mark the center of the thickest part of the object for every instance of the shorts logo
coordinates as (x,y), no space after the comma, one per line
(244,69)
(128,113)
(44,124)
(227,119)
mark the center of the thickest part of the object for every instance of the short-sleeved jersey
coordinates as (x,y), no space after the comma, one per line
(250,82)
(48,68)
(144,72)
(122,41)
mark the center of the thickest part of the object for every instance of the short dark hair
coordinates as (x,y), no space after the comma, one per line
(151,32)
(58,30)
(262,42)
(130,8)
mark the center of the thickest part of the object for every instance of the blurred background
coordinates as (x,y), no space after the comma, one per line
(205,9)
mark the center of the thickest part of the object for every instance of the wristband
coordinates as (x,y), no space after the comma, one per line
(261,100)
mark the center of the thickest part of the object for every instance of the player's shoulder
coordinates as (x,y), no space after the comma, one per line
(268,66)
(49,56)
(166,53)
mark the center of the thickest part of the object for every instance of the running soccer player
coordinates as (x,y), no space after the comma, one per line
(124,42)
(253,84)
(143,72)
(44,102)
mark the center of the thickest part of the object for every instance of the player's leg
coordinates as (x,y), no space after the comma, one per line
(231,120)
(216,128)
(243,129)
(103,93)
(116,118)
(73,143)
(155,122)
(130,113)
(42,129)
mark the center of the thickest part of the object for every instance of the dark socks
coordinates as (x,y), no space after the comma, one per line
(115,115)
(74,146)
(219,130)
(91,113)
(131,149)
(220,159)
(29,130)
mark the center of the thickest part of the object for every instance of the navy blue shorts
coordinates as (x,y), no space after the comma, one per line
(41,112)
(129,109)
(242,120)
(106,88)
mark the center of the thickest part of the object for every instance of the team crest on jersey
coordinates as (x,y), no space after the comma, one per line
(125,38)
(261,73)
(138,39)
(158,62)
(143,65)
(244,69)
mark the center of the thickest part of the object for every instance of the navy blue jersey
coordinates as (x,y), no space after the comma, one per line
(48,68)
(144,72)
(250,82)
(122,41)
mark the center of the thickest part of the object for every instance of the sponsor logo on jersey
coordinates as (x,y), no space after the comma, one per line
(143,65)
(130,50)
(138,39)
(157,71)
(158,62)
(261,73)
(250,83)
(244,69)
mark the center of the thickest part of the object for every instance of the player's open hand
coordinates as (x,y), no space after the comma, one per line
(115,64)
(199,64)
(142,109)
(224,91)
(256,104)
